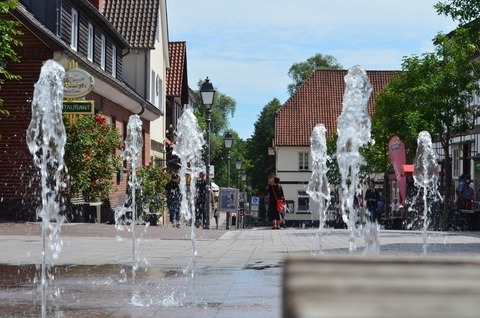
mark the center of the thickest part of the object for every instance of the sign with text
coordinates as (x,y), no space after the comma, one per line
(77,83)
(83,107)
(228,200)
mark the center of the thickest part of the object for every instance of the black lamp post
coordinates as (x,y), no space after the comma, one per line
(228,141)
(238,165)
(207,93)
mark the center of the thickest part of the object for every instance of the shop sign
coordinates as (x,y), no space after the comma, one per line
(77,83)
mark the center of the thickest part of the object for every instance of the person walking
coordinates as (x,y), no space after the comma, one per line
(174,198)
(275,193)
(371,197)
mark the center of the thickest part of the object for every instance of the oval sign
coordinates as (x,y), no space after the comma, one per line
(77,83)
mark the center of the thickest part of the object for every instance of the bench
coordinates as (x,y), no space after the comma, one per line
(80,202)
(380,286)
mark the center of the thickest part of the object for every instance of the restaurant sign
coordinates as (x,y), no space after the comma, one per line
(78,107)
(77,83)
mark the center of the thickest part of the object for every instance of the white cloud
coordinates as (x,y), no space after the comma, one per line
(246,47)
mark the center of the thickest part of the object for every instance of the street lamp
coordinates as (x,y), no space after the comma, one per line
(238,165)
(207,92)
(228,142)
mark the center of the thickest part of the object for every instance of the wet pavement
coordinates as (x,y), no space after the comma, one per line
(235,273)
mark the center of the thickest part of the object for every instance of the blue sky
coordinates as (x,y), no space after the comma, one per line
(246,47)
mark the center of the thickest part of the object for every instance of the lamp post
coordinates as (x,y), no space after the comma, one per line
(207,92)
(238,165)
(228,142)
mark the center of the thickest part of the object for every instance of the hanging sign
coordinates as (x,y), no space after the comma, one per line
(77,83)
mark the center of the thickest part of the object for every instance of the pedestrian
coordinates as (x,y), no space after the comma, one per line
(174,198)
(395,208)
(216,213)
(371,197)
(275,194)
(458,191)
(200,200)
(468,196)
(282,212)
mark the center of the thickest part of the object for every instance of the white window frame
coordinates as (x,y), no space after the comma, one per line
(103,52)
(456,162)
(91,40)
(159,90)
(74,30)
(114,61)
(303,161)
(152,87)
(302,208)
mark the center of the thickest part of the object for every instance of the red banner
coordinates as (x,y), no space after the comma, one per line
(396,149)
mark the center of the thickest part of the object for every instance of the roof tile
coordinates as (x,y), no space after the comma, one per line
(319,100)
(136,20)
(177,52)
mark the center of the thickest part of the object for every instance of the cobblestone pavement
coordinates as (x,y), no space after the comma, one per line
(220,273)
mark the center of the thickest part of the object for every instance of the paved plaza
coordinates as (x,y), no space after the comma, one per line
(234,273)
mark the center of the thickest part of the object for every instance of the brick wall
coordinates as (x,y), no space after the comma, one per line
(18,178)
(17,175)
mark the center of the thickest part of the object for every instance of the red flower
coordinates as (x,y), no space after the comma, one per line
(88,151)
(92,184)
(100,119)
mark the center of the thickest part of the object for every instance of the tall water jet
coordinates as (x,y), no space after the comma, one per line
(132,154)
(353,129)
(425,177)
(46,138)
(318,187)
(189,149)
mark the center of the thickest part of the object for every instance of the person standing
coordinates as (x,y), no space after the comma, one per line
(275,192)
(200,200)
(174,198)
(468,196)
(371,197)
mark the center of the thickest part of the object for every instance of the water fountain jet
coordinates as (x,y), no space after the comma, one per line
(46,138)
(353,129)
(318,186)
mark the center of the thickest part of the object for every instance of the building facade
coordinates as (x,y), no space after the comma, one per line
(71,33)
(318,101)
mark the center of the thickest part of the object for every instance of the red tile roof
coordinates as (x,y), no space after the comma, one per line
(176,74)
(136,20)
(319,100)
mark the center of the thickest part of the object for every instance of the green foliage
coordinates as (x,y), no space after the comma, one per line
(91,156)
(152,181)
(433,93)
(463,11)
(8,40)
(299,72)
(257,147)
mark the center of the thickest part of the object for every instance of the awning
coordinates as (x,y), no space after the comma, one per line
(408,170)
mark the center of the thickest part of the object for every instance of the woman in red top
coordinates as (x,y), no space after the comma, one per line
(275,191)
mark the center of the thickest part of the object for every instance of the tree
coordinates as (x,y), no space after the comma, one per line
(224,107)
(434,93)
(91,157)
(257,147)
(8,32)
(299,72)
